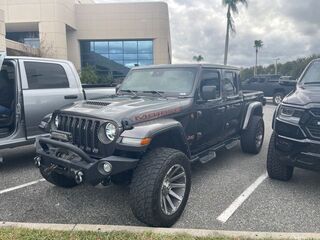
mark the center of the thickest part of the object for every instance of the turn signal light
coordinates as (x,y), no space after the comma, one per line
(145,141)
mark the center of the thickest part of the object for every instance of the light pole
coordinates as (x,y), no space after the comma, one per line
(276,66)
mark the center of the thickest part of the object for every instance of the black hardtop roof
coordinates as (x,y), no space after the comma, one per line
(189,65)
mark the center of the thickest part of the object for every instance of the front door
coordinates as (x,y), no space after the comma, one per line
(233,100)
(210,113)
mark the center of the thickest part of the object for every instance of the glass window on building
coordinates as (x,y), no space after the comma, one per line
(30,39)
(112,60)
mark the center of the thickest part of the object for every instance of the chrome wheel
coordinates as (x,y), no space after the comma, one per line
(278,99)
(173,189)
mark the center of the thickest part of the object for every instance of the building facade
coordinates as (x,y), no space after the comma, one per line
(111,37)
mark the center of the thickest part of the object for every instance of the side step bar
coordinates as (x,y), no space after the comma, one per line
(211,153)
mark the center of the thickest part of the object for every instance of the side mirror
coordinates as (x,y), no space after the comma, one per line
(118,87)
(209,92)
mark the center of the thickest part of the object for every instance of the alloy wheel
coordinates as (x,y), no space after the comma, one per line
(173,190)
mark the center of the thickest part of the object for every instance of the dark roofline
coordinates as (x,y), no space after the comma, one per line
(195,65)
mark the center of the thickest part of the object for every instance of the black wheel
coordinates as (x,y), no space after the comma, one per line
(277,98)
(276,169)
(160,187)
(58,179)
(122,179)
(252,138)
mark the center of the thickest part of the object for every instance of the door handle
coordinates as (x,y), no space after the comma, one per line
(71,97)
(221,109)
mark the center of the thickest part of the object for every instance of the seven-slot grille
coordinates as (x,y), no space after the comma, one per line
(84,132)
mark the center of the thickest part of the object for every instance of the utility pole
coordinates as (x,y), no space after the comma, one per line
(276,66)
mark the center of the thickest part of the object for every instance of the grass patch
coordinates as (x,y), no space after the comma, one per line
(25,234)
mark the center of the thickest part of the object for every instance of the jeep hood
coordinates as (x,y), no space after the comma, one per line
(303,95)
(135,109)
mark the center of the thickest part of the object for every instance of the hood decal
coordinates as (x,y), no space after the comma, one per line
(155,114)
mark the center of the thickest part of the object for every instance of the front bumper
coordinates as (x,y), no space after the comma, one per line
(303,153)
(70,160)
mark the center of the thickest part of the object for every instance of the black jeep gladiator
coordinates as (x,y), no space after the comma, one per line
(161,120)
(296,128)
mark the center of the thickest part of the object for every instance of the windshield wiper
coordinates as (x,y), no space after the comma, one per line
(130,91)
(161,94)
(307,83)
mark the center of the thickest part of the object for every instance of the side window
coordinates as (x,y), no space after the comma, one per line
(46,75)
(210,78)
(230,86)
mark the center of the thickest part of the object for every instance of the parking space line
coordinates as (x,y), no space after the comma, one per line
(241,199)
(21,186)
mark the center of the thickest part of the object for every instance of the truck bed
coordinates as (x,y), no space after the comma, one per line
(250,95)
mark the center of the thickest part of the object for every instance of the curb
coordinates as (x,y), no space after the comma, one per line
(170,231)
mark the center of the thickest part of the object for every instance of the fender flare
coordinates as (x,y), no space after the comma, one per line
(156,128)
(254,108)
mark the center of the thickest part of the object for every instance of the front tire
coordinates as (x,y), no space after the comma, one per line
(252,138)
(58,179)
(160,187)
(276,169)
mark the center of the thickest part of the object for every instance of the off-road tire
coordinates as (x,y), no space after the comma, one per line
(249,136)
(145,190)
(276,169)
(277,95)
(58,179)
(122,179)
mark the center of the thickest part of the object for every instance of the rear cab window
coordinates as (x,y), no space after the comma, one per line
(230,84)
(46,75)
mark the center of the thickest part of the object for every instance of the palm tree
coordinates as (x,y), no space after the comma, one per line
(257,45)
(232,7)
(198,58)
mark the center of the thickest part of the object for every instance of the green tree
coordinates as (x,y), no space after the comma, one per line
(291,68)
(198,58)
(258,44)
(88,75)
(232,6)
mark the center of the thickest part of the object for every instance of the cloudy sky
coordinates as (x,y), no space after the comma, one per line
(288,28)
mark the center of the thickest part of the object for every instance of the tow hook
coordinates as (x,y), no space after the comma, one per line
(78,177)
(37,162)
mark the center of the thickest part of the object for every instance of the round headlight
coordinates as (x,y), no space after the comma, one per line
(56,121)
(111,131)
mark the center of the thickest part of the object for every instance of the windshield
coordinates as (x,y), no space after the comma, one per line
(172,81)
(312,75)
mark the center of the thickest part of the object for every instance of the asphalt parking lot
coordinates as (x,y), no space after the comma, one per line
(270,206)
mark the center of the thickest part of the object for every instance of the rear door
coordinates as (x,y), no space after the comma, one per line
(47,86)
(233,99)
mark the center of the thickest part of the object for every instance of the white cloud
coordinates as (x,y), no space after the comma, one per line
(289,29)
